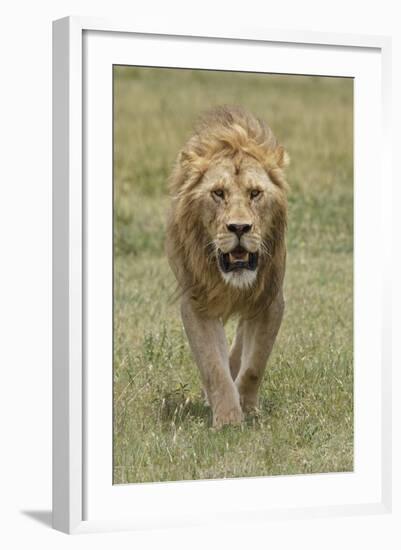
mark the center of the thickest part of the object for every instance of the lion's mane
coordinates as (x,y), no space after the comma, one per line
(225,132)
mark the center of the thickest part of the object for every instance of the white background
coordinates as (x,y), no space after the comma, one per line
(25,218)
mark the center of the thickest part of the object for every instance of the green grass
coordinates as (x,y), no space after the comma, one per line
(161,425)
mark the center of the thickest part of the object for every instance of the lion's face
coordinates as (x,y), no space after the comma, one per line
(238,203)
(228,215)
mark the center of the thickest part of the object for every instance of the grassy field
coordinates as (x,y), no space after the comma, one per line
(161,426)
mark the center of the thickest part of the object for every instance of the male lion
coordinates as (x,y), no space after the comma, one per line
(226,247)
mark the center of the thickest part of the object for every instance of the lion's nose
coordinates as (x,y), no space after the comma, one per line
(239,228)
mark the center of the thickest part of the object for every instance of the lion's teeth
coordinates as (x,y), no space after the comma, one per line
(242,258)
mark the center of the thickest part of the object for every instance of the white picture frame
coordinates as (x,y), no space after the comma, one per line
(83,49)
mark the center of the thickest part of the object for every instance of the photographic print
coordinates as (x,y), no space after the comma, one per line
(233,274)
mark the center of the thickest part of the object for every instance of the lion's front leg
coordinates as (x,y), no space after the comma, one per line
(209,346)
(258,336)
(236,351)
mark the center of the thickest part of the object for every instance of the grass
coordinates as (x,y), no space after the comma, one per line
(161,425)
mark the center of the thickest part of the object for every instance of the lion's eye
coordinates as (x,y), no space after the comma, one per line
(255,193)
(218,193)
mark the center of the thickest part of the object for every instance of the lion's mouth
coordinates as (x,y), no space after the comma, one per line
(237,259)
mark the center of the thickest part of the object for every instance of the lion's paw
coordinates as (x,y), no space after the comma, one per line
(227,415)
(250,403)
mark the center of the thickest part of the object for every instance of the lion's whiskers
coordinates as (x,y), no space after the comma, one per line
(264,250)
(210,244)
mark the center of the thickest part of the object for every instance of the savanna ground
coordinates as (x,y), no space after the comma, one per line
(305,424)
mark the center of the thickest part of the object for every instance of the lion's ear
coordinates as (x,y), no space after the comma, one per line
(183,158)
(282,157)
(191,160)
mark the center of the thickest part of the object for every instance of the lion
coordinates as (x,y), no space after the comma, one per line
(225,244)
